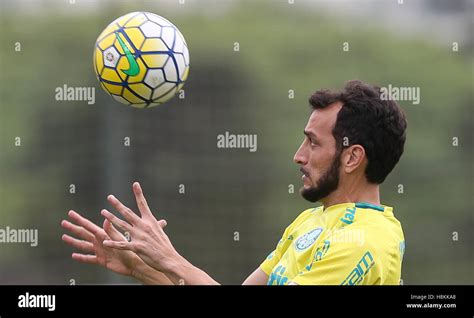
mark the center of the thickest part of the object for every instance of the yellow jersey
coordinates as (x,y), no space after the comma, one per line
(344,244)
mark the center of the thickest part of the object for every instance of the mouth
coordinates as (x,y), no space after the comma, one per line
(305,177)
(305,174)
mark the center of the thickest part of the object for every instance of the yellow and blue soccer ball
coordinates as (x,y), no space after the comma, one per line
(141,59)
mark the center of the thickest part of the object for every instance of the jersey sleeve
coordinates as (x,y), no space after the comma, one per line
(340,263)
(274,257)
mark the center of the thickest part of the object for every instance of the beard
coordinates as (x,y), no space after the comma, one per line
(328,182)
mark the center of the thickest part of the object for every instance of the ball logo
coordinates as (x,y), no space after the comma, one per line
(110,57)
(308,239)
(134,69)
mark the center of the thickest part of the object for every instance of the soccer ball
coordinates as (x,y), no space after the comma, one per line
(141,59)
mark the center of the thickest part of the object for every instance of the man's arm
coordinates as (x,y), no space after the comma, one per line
(150,242)
(149,276)
(182,272)
(258,277)
(175,270)
(186,273)
(152,245)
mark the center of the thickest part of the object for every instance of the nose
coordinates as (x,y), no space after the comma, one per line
(300,156)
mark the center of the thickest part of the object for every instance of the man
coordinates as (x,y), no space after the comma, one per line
(353,140)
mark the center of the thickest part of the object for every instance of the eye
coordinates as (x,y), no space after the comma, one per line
(312,141)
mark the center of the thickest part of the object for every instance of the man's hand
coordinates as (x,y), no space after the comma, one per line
(94,252)
(150,242)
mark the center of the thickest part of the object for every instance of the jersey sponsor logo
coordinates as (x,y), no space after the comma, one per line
(357,275)
(308,239)
(349,217)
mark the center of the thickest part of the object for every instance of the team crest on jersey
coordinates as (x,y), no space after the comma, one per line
(308,239)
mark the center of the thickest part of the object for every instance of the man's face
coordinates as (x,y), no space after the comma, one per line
(317,155)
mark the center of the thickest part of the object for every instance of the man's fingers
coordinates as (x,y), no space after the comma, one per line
(122,245)
(113,233)
(78,230)
(85,246)
(116,221)
(89,259)
(141,201)
(128,214)
(85,223)
(162,223)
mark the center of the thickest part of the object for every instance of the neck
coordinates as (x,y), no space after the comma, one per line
(352,193)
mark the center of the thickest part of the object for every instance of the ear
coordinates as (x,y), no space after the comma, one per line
(353,158)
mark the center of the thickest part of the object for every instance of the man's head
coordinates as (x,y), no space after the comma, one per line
(352,136)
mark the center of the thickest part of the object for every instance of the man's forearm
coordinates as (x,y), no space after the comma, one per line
(150,276)
(182,272)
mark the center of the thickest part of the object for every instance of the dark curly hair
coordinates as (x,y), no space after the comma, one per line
(367,120)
